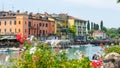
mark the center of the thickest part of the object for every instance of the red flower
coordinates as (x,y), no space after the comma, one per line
(24,38)
(20,37)
(96,64)
(21,40)
(99,63)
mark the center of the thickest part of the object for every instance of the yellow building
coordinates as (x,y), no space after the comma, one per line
(79,24)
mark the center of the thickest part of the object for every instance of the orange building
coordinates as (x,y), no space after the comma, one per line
(12,23)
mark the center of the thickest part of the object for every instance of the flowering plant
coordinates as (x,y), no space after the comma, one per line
(42,56)
(96,64)
(21,38)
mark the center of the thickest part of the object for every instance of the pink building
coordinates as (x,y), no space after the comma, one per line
(99,34)
(25,23)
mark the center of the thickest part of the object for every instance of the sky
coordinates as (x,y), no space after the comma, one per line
(92,10)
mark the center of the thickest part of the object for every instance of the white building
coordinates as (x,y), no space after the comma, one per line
(99,34)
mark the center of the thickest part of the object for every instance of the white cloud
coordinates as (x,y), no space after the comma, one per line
(97,3)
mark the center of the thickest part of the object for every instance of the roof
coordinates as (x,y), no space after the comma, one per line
(98,31)
(71,17)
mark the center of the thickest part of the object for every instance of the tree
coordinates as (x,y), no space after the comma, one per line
(96,26)
(104,29)
(90,32)
(91,38)
(72,29)
(101,25)
(118,30)
(118,1)
(113,32)
(92,26)
(88,25)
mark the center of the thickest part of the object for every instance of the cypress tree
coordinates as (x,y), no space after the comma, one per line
(92,26)
(88,25)
(101,25)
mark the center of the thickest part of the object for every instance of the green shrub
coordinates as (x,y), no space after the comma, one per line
(114,49)
(43,57)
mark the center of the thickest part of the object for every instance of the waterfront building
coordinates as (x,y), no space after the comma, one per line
(79,24)
(25,23)
(64,22)
(99,35)
(60,23)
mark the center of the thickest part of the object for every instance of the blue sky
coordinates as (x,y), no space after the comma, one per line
(93,10)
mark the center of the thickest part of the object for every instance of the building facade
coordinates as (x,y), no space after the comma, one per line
(99,34)
(79,24)
(12,23)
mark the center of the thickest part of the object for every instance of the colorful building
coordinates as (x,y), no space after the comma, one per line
(12,23)
(79,24)
(64,21)
(99,34)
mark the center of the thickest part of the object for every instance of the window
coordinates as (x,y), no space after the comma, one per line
(19,22)
(46,25)
(29,31)
(39,24)
(25,22)
(0,30)
(25,30)
(43,32)
(0,22)
(19,30)
(29,24)
(34,31)
(43,25)
(10,30)
(10,22)
(40,32)
(5,30)
(14,22)
(15,31)
(5,23)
